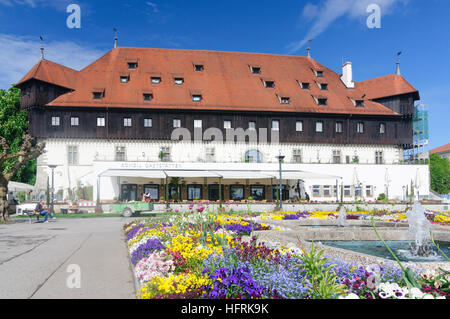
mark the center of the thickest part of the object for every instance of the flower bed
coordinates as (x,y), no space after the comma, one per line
(203,255)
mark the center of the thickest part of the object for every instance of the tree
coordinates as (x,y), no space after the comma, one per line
(440,174)
(19,159)
(13,126)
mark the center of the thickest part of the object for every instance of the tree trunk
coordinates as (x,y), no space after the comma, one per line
(4,215)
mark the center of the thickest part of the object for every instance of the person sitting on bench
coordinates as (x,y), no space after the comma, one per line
(42,212)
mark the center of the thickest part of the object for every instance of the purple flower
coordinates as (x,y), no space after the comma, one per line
(146,249)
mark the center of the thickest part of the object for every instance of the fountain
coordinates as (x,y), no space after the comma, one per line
(419,229)
(342,218)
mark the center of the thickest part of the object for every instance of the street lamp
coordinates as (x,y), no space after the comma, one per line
(53,188)
(280,160)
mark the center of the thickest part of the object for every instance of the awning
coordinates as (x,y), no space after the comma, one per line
(19,187)
(225,174)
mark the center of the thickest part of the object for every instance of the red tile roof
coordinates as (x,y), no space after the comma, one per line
(441,149)
(51,72)
(226,83)
(385,86)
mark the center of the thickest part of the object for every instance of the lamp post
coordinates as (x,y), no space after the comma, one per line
(52,167)
(280,159)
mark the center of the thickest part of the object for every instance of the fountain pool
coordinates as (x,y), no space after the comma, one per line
(402,249)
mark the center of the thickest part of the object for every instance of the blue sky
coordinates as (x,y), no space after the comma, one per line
(418,28)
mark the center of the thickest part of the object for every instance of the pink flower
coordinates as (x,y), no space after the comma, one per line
(200,209)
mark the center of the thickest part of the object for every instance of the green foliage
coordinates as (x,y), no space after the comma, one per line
(323,279)
(440,174)
(13,125)
(382,197)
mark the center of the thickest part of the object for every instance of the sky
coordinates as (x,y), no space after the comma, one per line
(338,30)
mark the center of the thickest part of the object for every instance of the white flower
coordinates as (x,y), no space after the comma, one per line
(351,296)
(415,293)
(428,296)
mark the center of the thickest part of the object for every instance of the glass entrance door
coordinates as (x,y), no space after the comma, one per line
(128,192)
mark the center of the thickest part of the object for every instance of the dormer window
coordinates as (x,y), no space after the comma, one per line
(178,81)
(132,65)
(148,97)
(156,79)
(97,95)
(319,74)
(197,98)
(305,85)
(359,103)
(255,69)
(199,67)
(124,79)
(323,86)
(285,100)
(269,84)
(322,101)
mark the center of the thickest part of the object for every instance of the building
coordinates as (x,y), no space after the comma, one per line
(137,117)
(443,151)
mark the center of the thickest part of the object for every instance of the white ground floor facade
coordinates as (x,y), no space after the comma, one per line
(123,170)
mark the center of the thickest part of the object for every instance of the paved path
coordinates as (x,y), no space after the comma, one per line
(34,259)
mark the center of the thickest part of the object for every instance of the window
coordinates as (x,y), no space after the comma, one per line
(194,192)
(269,84)
(358,191)
(339,127)
(127,122)
(252,125)
(198,123)
(227,124)
(156,79)
(164,154)
(55,121)
(285,100)
(322,101)
(100,121)
(382,128)
(275,125)
(319,126)
(97,95)
(323,86)
(198,67)
(72,155)
(336,157)
(41,88)
(257,192)
(316,190)
(176,123)
(304,85)
(327,191)
(132,65)
(196,98)
(297,156)
(148,123)
(256,69)
(120,153)
(237,192)
(378,157)
(210,154)
(148,97)
(369,191)
(74,121)
(253,156)
(299,126)
(178,81)
(124,79)
(359,103)
(347,191)
(319,74)
(360,127)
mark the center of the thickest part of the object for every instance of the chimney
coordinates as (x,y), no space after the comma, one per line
(397,72)
(347,75)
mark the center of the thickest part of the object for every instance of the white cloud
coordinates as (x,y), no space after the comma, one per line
(57,4)
(19,54)
(327,12)
(154,6)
